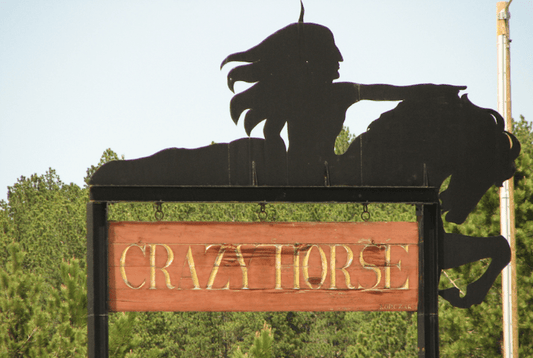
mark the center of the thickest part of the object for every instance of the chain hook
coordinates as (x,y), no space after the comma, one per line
(159,214)
(262,212)
(365,215)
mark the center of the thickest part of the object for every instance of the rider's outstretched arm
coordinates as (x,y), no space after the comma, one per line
(381,92)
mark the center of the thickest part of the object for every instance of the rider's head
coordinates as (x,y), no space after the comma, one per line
(299,50)
(297,59)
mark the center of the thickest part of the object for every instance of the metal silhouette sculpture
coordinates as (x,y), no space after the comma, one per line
(431,135)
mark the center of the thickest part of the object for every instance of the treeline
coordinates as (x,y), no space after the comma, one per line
(43,304)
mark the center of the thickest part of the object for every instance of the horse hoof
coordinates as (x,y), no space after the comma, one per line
(475,293)
(452,295)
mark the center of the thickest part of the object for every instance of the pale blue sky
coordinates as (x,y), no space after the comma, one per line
(77,77)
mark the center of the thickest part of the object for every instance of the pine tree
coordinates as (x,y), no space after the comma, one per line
(44,287)
(262,346)
(386,334)
(24,330)
(68,309)
(47,217)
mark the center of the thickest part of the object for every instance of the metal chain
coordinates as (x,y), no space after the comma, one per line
(159,214)
(365,215)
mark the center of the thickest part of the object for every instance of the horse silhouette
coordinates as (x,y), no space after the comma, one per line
(430,136)
(424,143)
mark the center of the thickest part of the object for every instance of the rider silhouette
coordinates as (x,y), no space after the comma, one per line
(293,71)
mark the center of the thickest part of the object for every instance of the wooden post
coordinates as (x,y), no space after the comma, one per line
(97,286)
(507,217)
(428,286)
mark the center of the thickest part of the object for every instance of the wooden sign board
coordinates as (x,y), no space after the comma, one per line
(214,266)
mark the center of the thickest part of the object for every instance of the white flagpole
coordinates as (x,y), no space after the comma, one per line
(509,292)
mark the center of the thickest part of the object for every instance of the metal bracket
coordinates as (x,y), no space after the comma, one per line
(504,15)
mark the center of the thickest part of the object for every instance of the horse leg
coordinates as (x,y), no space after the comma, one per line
(456,250)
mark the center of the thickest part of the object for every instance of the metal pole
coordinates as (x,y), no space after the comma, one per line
(97,284)
(428,286)
(507,220)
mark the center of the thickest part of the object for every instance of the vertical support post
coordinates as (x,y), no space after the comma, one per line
(428,294)
(97,282)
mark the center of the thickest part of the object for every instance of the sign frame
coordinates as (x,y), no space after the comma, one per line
(428,212)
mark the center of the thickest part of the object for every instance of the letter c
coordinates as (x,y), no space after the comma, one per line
(123,265)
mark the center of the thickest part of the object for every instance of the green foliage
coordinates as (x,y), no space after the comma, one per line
(107,156)
(262,347)
(47,217)
(34,324)
(343,141)
(68,308)
(386,334)
(340,334)
(321,334)
(195,334)
(524,234)
(23,322)
(122,340)
(5,235)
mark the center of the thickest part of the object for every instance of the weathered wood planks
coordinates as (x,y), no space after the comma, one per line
(214,266)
